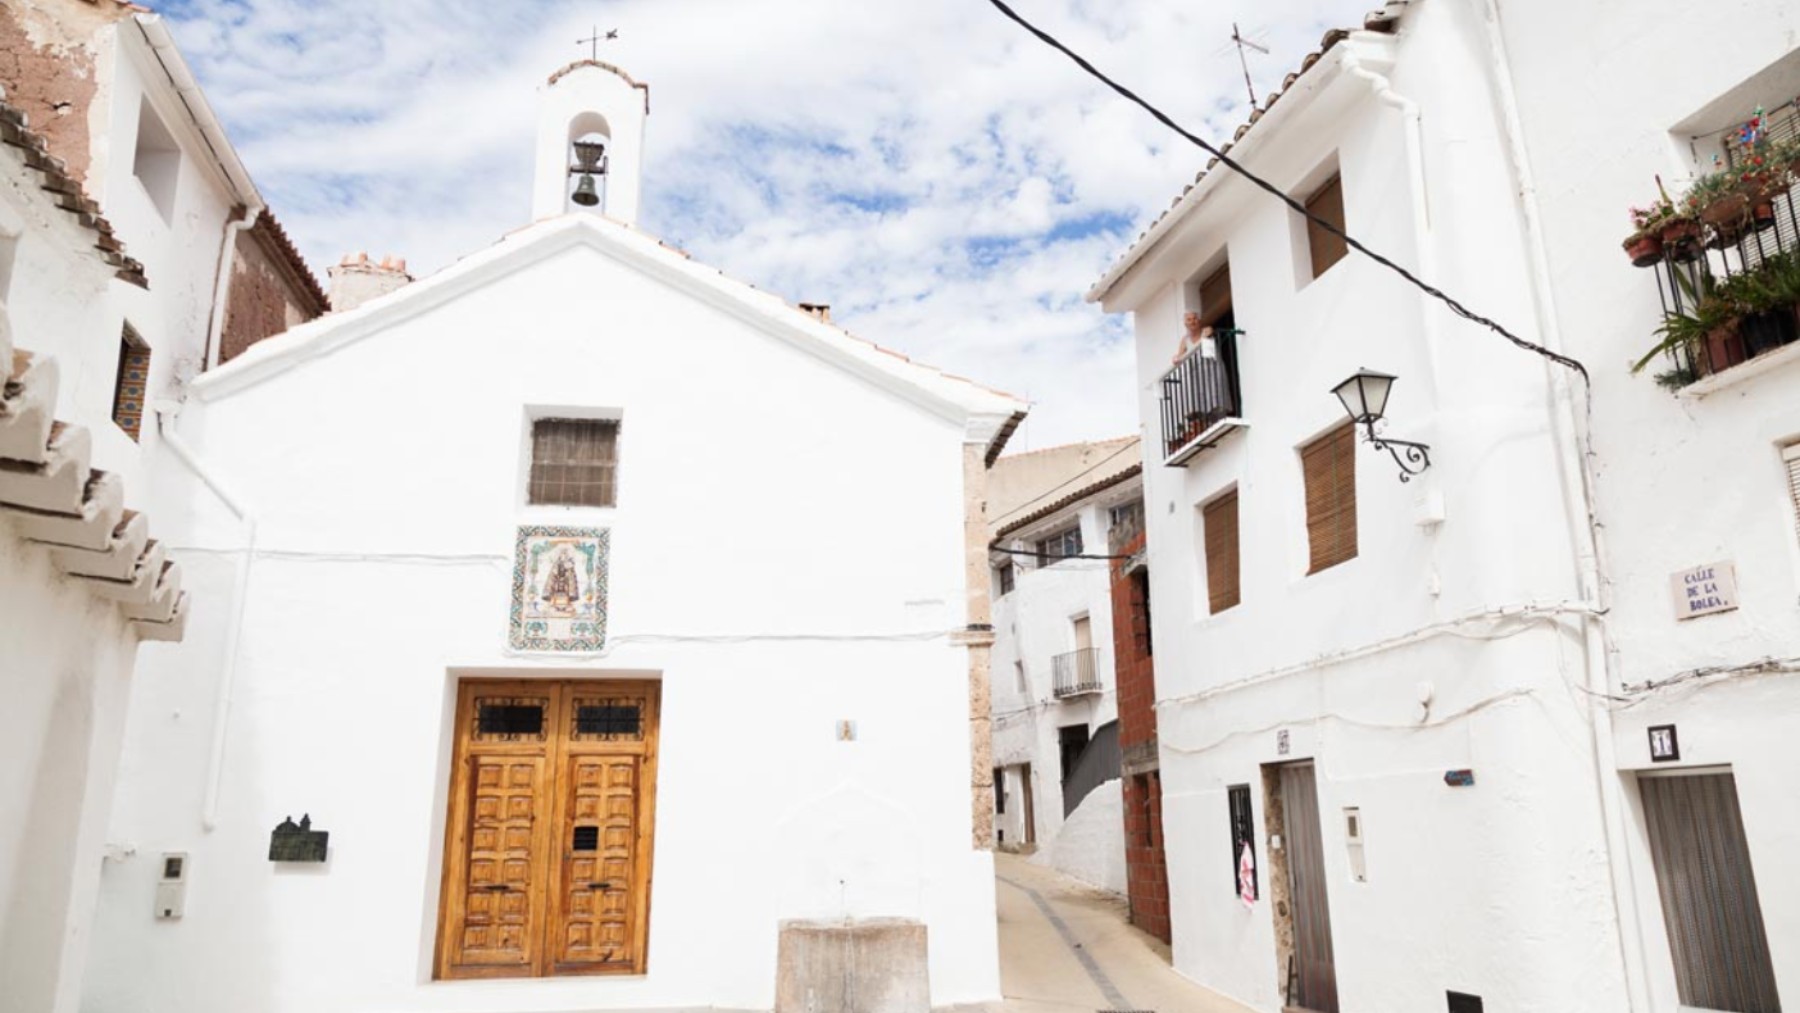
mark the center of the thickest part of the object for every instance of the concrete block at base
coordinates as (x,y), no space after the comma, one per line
(875,965)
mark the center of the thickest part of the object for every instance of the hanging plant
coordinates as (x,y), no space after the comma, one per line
(1645,245)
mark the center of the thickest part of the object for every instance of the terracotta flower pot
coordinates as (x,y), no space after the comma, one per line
(1681,239)
(1645,250)
(1726,210)
(1725,349)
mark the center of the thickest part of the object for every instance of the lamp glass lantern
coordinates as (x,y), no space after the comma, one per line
(1365,395)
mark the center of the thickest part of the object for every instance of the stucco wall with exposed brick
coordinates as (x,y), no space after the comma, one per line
(1146,869)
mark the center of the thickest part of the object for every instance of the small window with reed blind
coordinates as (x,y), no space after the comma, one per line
(1324,247)
(1219,521)
(1328,465)
(574,462)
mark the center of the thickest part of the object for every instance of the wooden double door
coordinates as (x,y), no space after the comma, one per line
(548,839)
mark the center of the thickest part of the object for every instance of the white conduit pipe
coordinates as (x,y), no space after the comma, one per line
(215,773)
(1584,528)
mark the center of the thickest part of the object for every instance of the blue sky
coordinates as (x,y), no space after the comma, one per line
(946,183)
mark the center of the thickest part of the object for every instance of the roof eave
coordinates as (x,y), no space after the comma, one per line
(949,397)
(1362,46)
(155,34)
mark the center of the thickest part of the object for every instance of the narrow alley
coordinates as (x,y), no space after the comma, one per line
(1066,947)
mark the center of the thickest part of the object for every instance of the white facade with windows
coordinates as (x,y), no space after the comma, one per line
(1055,696)
(1700,478)
(360,484)
(1470,684)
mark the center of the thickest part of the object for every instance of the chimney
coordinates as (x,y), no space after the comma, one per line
(357,279)
(820,311)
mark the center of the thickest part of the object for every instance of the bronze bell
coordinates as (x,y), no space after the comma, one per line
(585,194)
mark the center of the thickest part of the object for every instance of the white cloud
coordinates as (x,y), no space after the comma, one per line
(949,184)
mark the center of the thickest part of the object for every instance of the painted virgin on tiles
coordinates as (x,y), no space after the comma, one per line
(559,589)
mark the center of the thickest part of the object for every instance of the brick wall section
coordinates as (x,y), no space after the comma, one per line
(1146,870)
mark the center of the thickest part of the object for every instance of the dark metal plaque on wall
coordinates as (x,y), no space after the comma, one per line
(297,842)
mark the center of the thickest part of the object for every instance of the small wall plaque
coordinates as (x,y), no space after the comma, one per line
(298,842)
(1664,746)
(1281,742)
(1459,778)
(1704,590)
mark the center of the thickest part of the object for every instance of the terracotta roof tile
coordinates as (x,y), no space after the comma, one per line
(1385,20)
(15,131)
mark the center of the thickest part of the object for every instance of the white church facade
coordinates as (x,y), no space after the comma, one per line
(551,662)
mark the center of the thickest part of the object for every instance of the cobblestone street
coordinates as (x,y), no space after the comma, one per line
(1066,947)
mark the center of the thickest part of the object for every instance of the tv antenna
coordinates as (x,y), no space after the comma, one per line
(1238,40)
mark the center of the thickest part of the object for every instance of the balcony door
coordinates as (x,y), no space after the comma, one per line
(1084,634)
(548,840)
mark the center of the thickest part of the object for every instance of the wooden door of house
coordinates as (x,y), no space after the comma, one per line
(1708,889)
(547,844)
(1314,981)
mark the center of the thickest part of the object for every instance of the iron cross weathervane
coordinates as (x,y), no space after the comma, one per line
(593,41)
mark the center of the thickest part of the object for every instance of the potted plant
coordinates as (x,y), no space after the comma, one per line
(1645,246)
(1717,200)
(1765,317)
(1680,236)
(1708,332)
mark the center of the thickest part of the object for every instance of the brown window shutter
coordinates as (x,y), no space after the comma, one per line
(1220,518)
(1327,203)
(1215,296)
(1328,465)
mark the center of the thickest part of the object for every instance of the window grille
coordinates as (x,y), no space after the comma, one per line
(1061,545)
(573,462)
(509,720)
(1790,456)
(1243,835)
(132,381)
(1779,124)
(1220,519)
(1329,468)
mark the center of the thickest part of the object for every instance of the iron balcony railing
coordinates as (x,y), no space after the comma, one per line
(1199,393)
(1075,673)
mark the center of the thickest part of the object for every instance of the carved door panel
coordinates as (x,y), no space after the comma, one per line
(499,824)
(551,811)
(598,897)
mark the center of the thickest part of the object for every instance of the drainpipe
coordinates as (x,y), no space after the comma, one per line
(1421,211)
(166,413)
(222,283)
(1585,529)
(1430,322)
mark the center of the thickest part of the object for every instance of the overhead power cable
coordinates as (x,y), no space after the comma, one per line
(1161,117)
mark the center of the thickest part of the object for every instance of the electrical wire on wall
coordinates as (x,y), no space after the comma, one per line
(1299,208)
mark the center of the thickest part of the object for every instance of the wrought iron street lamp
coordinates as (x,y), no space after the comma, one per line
(1365,397)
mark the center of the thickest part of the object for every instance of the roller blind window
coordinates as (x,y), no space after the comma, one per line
(1219,519)
(1329,468)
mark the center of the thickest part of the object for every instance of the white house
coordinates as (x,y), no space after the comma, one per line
(1376,680)
(1055,698)
(1696,492)
(623,627)
(108,147)
(82,579)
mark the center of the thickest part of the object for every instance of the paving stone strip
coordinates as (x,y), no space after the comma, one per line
(1088,963)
